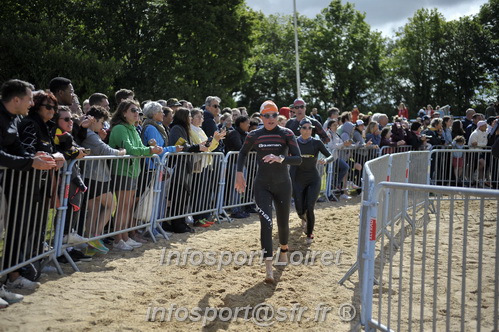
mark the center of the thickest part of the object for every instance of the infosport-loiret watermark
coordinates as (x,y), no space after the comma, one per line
(262,314)
(189,256)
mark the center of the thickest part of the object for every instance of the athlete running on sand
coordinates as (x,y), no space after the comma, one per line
(276,148)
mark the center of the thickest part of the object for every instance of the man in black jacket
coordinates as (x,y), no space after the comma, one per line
(209,126)
(17,98)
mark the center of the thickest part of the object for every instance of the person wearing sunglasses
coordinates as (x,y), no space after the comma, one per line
(300,110)
(305,177)
(123,135)
(276,148)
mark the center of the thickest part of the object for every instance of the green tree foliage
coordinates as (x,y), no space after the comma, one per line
(417,58)
(341,60)
(271,67)
(489,20)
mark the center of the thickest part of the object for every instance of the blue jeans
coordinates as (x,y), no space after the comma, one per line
(342,167)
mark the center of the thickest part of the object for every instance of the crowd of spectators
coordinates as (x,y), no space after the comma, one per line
(42,129)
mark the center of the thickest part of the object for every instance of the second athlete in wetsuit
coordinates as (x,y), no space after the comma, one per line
(305,177)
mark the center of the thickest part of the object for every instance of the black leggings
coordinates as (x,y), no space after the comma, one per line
(280,194)
(305,193)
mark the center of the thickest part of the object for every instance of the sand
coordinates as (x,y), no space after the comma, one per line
(123,290)
(115,291)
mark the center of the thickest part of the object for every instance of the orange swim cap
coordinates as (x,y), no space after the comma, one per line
(268,106)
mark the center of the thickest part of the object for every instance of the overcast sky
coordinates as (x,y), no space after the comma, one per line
(383,15)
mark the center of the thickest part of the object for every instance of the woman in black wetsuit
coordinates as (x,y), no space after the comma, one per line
(276,147)
(306,178)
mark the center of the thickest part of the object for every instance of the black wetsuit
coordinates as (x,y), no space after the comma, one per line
(306,180)
(272,182)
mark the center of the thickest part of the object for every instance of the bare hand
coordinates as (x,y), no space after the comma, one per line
(179,148)
(43,162)
(59,159)
(347,143)
(272,158)
(81,153)
(156,149)
(322,161)
(219,135)
(86,121)
(402,142)
(102,134)
(122,152)
(240,185)
(203,148)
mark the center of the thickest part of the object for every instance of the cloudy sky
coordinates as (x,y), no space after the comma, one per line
(383,15)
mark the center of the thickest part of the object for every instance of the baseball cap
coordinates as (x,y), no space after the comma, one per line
(299,102)
(481,123)
(268,106)
(359,123)
(173,102)
(306,121)
(426,117)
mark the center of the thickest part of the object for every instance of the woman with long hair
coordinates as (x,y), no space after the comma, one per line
(124,135)
(181,182)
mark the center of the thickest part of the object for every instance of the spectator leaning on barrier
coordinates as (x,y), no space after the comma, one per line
(373,133)
(414,137)
(472,126)
(183,166)
(100,204)
(434,133)
(16,99)
(124,135)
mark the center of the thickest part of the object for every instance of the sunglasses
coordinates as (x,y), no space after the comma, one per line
(306,128)
(49,107)
(301,106)
(268,116)
(135,110)
(216,106)
(67,119)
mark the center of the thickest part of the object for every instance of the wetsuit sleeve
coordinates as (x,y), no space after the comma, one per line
(325,151)
(294,157)
(243,153)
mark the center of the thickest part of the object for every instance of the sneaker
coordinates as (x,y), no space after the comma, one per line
(321,200)
(99,245)
(139,239)
(3,303)
(74,238)
(9,296)
(201,223)
(345,196)
(132,243)
(22,283)
(91,251)
(333,198)
(78,255)
(310,239)
(352,185)
(122,246)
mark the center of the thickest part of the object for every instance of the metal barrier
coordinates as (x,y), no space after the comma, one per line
(394,149)
(473,168)
(191,184)
(132,200)
(441,275)
(30,205)
(228,197)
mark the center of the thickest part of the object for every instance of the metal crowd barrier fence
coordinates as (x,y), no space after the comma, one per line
(113,202)
(473,168)
(394,149)
(30,203)
(443,276)
(228,197)
(190,185)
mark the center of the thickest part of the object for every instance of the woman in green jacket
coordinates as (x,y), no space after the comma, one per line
(124,135)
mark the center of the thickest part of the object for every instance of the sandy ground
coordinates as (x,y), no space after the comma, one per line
(121,291)
(145,290)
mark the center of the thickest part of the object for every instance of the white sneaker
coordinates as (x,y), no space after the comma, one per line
(122,246)
(74,238)
(9,296)
(352,185)
(345,196)
(22,283)
(132,243)
(3,303)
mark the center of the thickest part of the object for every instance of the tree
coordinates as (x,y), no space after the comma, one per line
(341,58)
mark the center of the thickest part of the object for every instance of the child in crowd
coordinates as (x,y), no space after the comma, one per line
(458,158)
